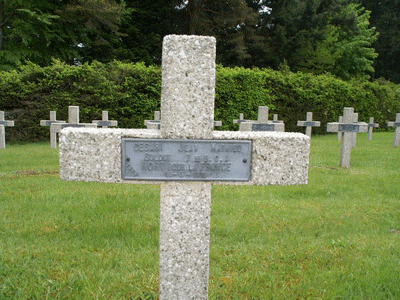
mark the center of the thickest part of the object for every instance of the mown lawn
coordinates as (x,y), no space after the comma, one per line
(337,237)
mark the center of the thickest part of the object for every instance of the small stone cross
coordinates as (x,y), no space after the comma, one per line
(262,123)
(185,157)
(309,123)
(241,119)
(104,122)
(396,125)
(53,134)
(275,119)
(73,121)
(156,123)
(371,126)
(348,127)
(3,124)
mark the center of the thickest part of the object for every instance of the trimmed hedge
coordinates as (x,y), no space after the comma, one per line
(131,93)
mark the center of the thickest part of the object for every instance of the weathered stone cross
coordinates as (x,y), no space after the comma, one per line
(185,158)
(396,125)
(371,126)
(104,122)
(348,127)
(4,123)
(156,123)
(53,134)
(262,123)
(309,123)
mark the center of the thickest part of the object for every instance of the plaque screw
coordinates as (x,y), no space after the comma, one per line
(128,159)
(245,160)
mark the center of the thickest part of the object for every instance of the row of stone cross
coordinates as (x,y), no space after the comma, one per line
(346,123)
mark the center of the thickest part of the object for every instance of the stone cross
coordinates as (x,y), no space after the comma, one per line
(309,123)
(241,119)
(262,123)
(355,121)
(339,134)
(3,124)
(396,125)
(275,119)
(348,127)
(104,122)
(53,134)
(371,126)
(156,123)
(185,158)
(73,121)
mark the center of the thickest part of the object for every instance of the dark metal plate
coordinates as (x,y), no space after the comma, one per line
(72,125)
(349,128)
(263,127)
(189,160)
(309,123)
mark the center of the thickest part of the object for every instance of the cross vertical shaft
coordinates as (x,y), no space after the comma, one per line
(187,112)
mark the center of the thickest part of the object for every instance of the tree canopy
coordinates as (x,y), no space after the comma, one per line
(347,38)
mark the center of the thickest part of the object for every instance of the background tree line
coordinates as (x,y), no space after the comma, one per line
(347,38)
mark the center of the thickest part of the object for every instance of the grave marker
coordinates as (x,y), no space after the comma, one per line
(309,123)
(275,119)
(3,124)
(262,123)
(396,125)
(371,126)
(241,119)
(354,134)
(155,124)
(73,121)
(347,127)
(339,134)
(184,150)
(104,122)
(53,134)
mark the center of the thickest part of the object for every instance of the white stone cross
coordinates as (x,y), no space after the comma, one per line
(104,122)
(348,127)
(396,125)
(309,123)
(156,123)
(275,119)
(185,158)
(339,134)
(262,123)
(73,121)
(241,119)
(355,121)
(371,126)
(53,134)
(3,124)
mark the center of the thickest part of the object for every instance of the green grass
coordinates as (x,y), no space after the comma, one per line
(338,237)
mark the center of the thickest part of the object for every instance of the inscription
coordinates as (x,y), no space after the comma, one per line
(309,123)
(72,125)
(349,128)
(103,123)
(263,127)
(204,160)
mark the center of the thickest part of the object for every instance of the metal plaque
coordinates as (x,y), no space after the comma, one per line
(309,123)
(72,125)
(396,124)
(103,123)
(263,127)
(48,123)
(373,125)
(349,128)
(189,160)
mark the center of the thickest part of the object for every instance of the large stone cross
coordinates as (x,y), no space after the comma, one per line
(396,125)
(53,133)
(348,128)
(4,123)
(309,123)
(186,157)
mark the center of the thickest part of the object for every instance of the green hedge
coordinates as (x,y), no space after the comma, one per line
(131,93)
